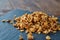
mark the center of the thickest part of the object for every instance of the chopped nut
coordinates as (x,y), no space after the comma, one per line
(48,37)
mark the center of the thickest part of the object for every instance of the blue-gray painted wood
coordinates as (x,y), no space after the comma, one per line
(8,32)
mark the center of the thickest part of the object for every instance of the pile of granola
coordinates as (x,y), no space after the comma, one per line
(37,22)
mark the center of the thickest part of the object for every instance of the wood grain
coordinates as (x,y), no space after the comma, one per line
(52,6)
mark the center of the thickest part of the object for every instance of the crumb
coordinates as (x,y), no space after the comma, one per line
(8,21)
(11,22)
(21,38)
(3,20)
(54,31)
(48,37)
(30,36)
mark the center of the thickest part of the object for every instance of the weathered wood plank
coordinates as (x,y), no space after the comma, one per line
(36,5)
(52,6)
(5,6)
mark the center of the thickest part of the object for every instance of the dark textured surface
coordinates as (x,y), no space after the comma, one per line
(8,32)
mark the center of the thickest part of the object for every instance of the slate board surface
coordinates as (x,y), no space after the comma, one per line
(8,32)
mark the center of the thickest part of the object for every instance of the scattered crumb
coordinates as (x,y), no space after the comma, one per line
(11,22)
(8,21)
(21,38)
(3,20)
(54,31)
(30,36)
(48,37)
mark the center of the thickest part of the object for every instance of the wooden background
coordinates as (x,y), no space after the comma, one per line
(52,6)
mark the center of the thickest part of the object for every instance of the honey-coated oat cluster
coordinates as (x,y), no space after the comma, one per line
(37,22)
